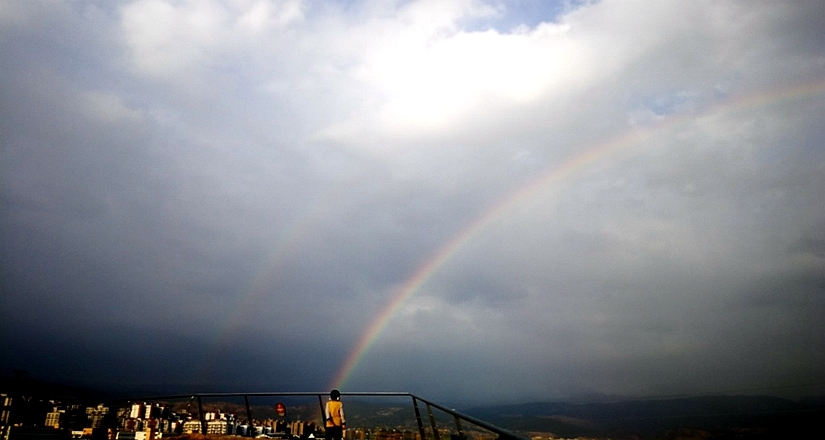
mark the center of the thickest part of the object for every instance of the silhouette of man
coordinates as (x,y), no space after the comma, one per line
(335,422)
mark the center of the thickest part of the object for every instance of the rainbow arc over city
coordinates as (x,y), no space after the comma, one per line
(552,176)
(303,226)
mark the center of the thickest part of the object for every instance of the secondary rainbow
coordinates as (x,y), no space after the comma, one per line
(266,280)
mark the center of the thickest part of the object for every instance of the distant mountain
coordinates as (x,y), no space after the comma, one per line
(716,416)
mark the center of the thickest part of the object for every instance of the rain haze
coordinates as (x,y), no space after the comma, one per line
(470,200)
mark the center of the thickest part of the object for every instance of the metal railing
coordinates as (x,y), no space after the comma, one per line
(458,417)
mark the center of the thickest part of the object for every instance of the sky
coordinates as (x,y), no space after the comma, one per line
(469,200)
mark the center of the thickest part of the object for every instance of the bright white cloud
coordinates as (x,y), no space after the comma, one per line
(266,15)
(170,39)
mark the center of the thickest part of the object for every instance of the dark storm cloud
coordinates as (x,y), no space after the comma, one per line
(625,194)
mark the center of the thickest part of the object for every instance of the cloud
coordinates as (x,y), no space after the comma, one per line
(627,194)
(170,39)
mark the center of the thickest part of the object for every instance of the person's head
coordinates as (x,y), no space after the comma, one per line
(334,394)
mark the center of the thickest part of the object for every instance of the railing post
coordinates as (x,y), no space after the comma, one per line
(201,416)
(436,435)
(323,414)
(251,431)
(458,427)
(418,419)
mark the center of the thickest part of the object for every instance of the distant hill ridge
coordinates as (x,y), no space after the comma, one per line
(655,417)
(705,405)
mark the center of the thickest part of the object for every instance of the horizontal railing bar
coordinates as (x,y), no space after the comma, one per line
(264,394)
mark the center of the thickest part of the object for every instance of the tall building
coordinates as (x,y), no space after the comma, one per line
(191,426)
(53,418)
(5,407)
(135,412)
(217,427)
(96,415)
(147,411)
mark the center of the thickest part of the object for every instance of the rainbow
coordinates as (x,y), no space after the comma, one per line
(426,271)
(288,245)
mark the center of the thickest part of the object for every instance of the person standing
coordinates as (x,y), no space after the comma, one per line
(335,424)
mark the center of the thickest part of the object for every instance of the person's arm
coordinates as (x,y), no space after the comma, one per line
(343,420)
